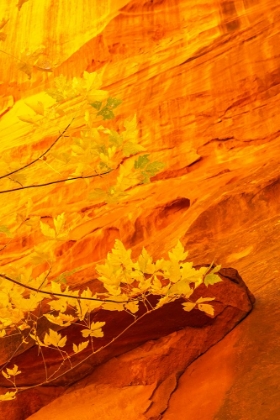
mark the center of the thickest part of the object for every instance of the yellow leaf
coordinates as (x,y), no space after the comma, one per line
(5,375)
(145,284)
(56,287)
(181,288)
(14,371)
(132,307)
(80,347)
(62,319)
(208,309)
(41,255)
(206,299)
(145,262)
(172,271)
(23,326)
(188,306)
(47,230)
(94,330)
(163,301)
(2,333)
(110,306)
(120,255)
(177,253)
(92,80)
(59,223)
(54,339)
(8,396)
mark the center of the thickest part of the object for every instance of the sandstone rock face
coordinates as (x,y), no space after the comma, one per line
(204,82)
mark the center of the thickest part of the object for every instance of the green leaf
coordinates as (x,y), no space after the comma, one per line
(6,230)
(154,167)
(141,162)
(115,138)
(130,148)
(97,105)
(106,113)
(113,102)
(212,278)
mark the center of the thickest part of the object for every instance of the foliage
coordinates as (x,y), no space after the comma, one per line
(91,151)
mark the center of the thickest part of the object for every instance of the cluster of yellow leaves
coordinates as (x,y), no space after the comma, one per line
(171,279)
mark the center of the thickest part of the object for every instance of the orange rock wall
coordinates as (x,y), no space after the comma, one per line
(203,79)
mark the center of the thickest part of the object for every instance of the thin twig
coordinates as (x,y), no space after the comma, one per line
(40,157)
(61,294)
(54,182)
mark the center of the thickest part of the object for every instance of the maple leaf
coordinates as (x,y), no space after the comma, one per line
(145,262)
(171,270)
(177,253)
(120,254)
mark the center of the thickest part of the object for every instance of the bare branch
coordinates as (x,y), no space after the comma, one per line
(40,157)
(61,294)
(54,182)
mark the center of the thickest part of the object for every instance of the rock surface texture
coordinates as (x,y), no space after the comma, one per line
(204,81)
